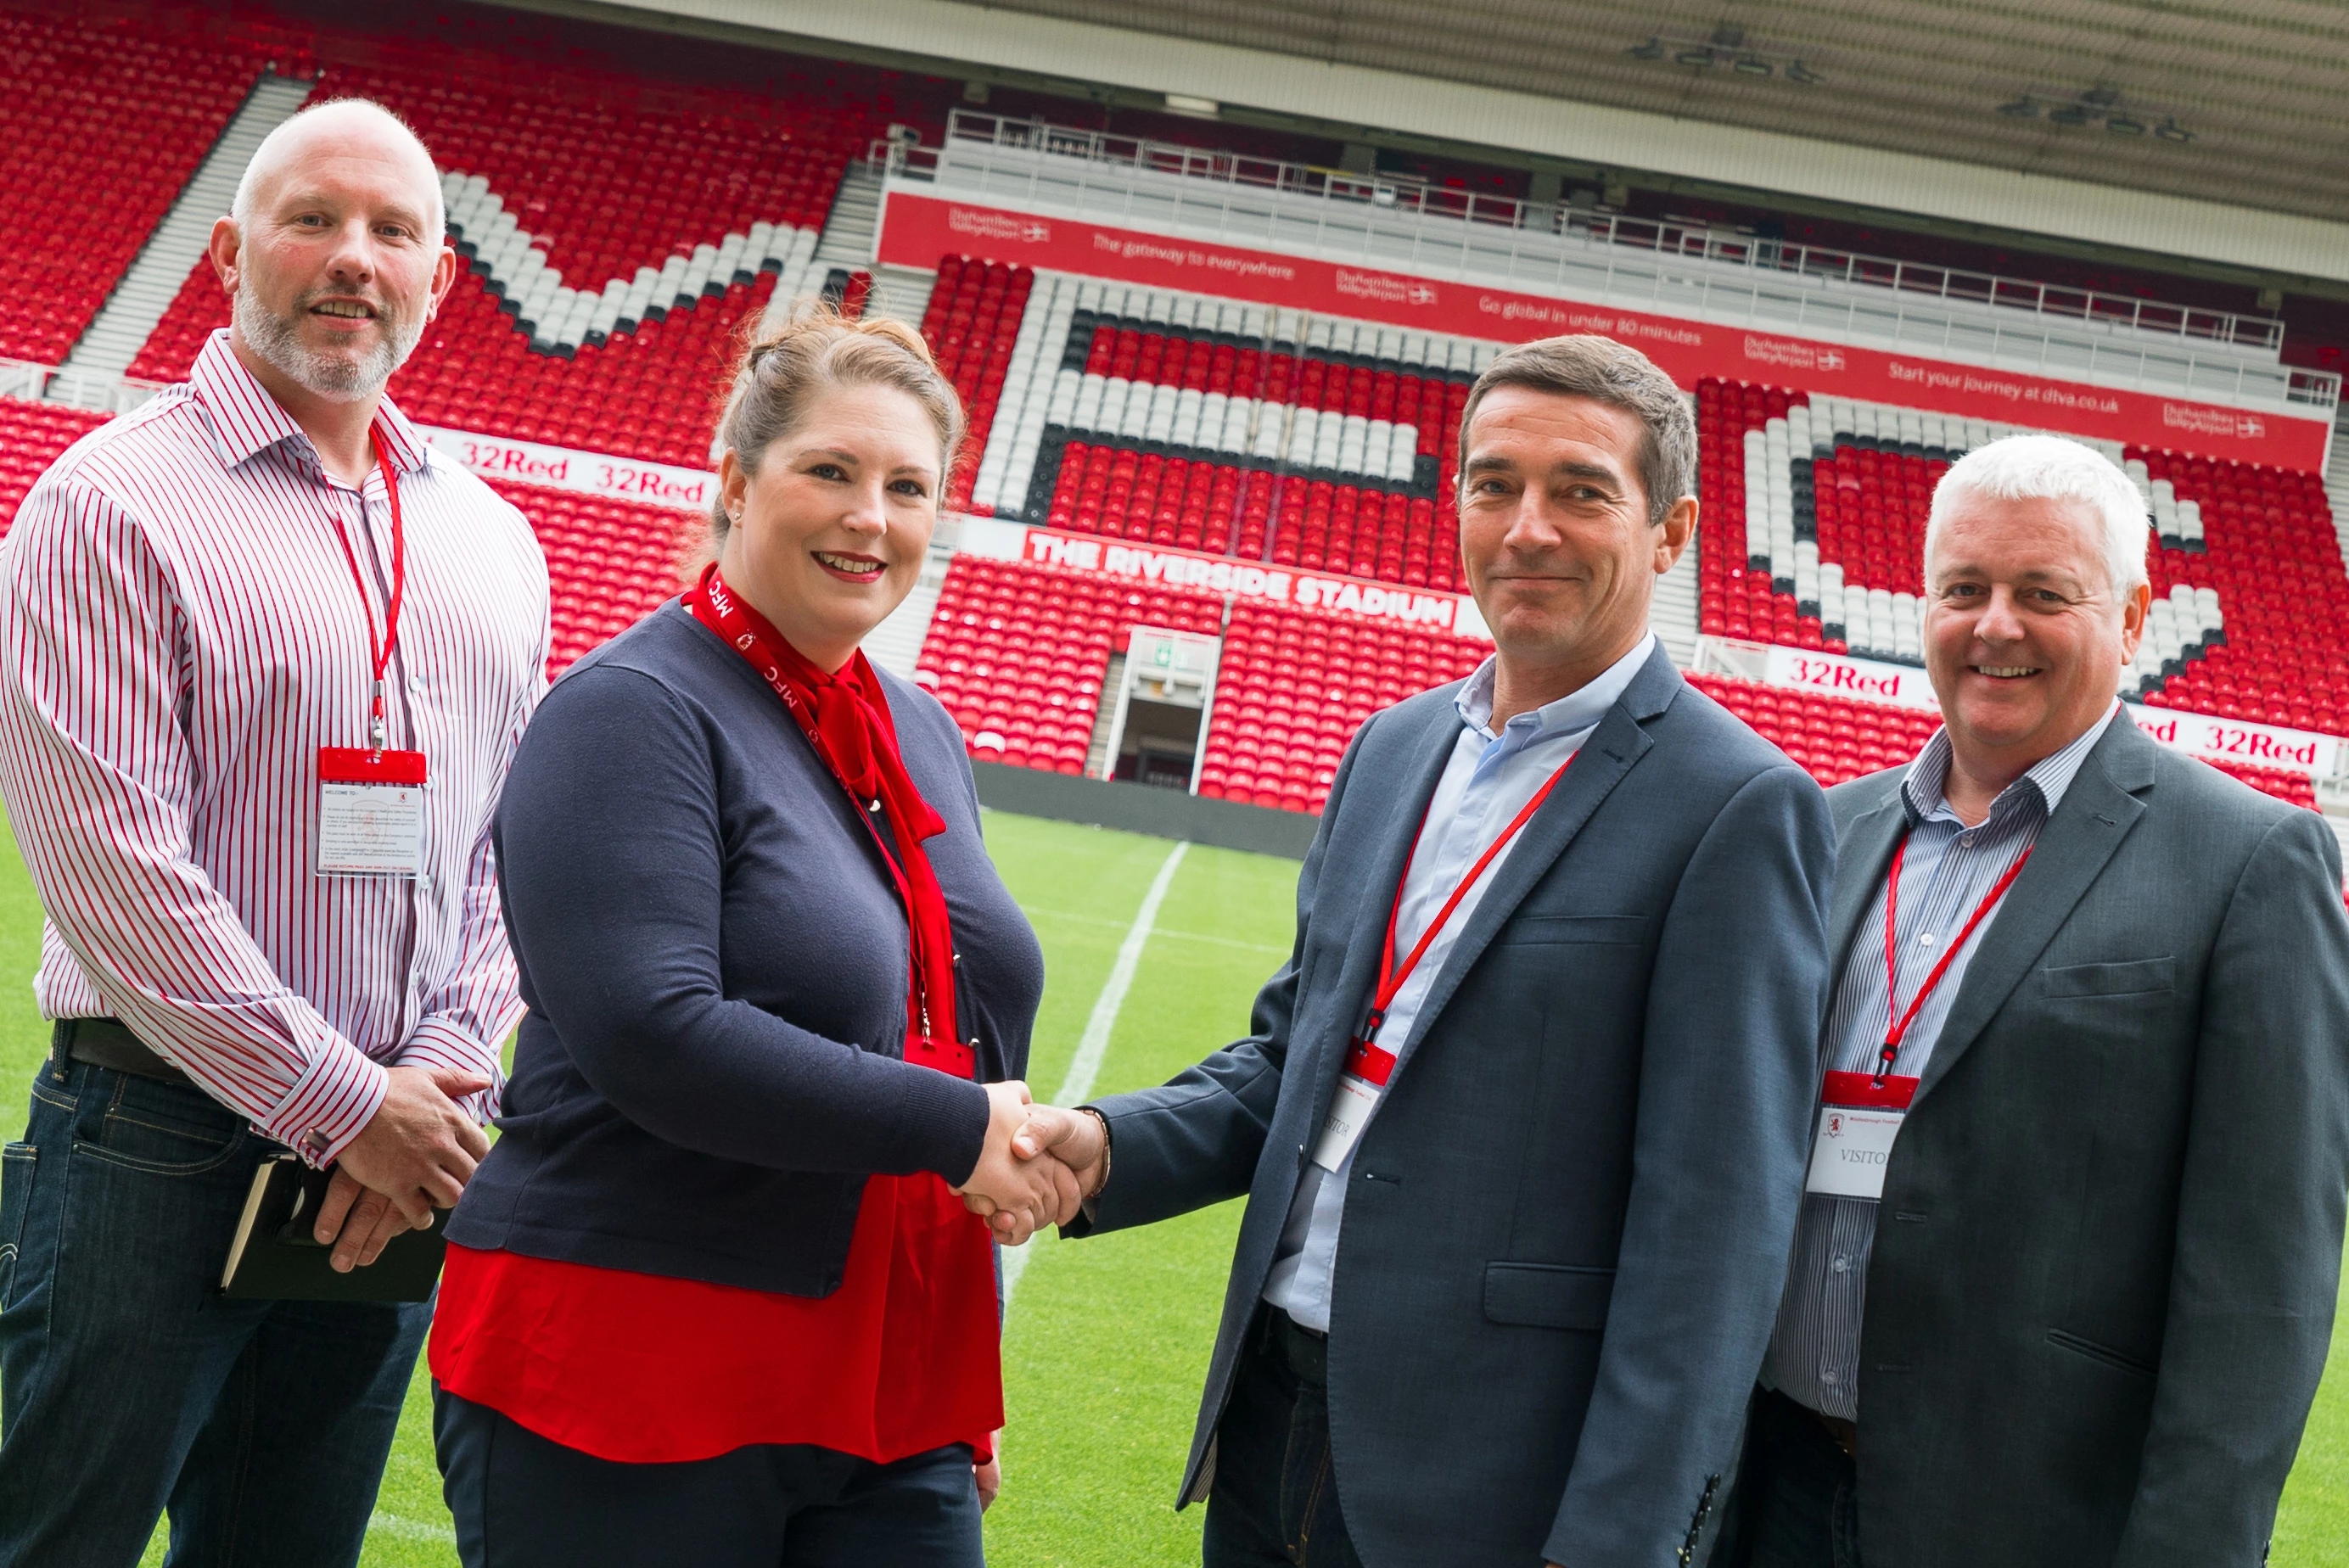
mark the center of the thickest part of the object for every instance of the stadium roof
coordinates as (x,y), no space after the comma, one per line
(2240,102)
(2217,128)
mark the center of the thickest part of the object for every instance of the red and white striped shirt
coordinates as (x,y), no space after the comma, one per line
(180,634)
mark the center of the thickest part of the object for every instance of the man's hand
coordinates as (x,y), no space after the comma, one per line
(416,1152)
(1075,1138)
(1069,1142)
(356,1221)
(1019,1196)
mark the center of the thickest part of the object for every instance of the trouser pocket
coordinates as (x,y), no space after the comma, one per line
(15,1202)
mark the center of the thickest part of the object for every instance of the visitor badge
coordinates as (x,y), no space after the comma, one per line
(1360,1088)
(1859,1118)
(370,812)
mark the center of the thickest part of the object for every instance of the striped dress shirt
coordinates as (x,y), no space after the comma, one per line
(1948,869)
(180,634)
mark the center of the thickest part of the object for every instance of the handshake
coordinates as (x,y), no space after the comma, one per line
(1038,1165)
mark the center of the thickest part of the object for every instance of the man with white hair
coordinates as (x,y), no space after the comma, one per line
(2065,1270)
(263,660)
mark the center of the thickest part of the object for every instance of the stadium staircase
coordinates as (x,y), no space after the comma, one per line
(175,250)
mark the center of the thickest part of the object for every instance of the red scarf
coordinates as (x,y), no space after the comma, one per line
(845,717)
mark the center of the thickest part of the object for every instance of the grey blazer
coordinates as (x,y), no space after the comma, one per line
(2110,1235)
(1568,1224)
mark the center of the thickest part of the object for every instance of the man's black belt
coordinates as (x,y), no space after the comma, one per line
(106,1043)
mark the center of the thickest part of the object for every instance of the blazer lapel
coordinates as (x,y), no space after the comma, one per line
(1617,744)
(2097,811)
(1372,896)
(1863,857)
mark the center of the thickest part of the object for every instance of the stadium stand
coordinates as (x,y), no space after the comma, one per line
(1294,686)
(1213,424)
(973,323)
(1834,738)
(608,563)
(31,437)
(1837,738)
(1018,653)
(612,256)
(1812,536)
(85,181)
(620,232)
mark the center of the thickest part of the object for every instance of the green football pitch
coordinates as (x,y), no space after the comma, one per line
(1106,1340)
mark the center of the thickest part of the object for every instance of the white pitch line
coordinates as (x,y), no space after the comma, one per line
(410,1529)
(1094,1044)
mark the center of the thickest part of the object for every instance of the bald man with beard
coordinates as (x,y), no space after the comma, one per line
(264,661)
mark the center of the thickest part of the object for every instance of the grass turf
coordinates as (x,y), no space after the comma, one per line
(1108,1338)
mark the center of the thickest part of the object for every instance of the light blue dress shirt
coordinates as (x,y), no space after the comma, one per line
(1487,780)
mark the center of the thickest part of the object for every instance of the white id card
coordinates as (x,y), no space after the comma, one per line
(370,813)
(1349,1112)
(1853,1147)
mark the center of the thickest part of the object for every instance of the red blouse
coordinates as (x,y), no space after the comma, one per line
(903,1357)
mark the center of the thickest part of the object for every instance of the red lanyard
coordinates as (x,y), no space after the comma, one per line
(1368,1060)
(1895,1023)
(380,654)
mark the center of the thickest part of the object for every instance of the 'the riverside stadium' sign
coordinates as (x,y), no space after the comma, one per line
(1220,575)
(2201,735)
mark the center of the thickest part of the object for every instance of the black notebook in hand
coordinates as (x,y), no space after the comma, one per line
(273,1256)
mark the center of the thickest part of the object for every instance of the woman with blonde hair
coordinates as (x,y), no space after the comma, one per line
(715,1296)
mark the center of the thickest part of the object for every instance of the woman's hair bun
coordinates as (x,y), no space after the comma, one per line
(816,348)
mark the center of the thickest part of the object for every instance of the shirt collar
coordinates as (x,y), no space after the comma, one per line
(246,421)
(1576,711)
(1924,791)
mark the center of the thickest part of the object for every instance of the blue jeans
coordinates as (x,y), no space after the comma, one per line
(1275,1502)
(126,1384)
(1798,1491)
(522,1500)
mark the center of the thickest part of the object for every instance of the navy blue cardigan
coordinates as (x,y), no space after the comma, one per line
(715,963)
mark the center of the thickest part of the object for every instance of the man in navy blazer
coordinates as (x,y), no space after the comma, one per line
(1564,1150)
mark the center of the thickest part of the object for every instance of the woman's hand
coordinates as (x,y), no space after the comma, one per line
(1021,1196)
(990,1476)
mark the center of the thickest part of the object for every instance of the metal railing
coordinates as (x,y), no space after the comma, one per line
(80,388)
(1018,163)
(1406,197)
